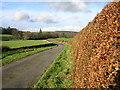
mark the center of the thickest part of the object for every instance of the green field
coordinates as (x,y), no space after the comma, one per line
(57,74)
(11,56)
(65,39)
(5,37)
(23,43)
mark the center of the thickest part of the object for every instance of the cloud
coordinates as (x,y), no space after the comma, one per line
(41,17)
(70,6)
(19,16)
(64,28)
(32,29)
(46,18)
(50,21)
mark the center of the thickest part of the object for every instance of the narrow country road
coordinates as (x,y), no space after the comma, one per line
(26,72)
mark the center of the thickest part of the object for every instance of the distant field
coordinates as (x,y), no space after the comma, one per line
(65,39)
(23,43)
(6,37)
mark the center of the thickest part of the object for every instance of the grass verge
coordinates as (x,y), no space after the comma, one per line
(10,56)
(57,75)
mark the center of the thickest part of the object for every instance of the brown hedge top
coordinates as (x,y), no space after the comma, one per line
(96,51)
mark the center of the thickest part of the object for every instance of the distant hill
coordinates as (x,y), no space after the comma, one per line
(67,31)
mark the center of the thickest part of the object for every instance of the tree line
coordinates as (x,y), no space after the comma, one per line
(27,35)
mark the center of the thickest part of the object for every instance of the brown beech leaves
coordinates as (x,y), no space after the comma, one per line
(96,51)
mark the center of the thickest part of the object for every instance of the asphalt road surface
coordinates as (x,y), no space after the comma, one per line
(26,72)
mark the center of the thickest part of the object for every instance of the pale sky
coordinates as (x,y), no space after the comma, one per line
(49,16)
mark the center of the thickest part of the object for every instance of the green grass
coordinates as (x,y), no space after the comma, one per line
(11,56)
(56,74)
(22,43)
(65,39)
(5,37)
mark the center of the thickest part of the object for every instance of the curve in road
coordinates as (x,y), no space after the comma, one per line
(26,72)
